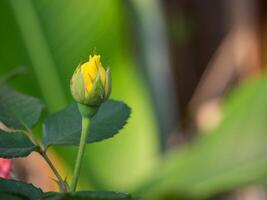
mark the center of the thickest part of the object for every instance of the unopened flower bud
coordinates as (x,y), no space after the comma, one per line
(91,83)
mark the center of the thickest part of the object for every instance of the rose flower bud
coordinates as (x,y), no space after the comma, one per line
(91,83)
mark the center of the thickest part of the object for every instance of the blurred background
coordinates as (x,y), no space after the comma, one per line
(191,70)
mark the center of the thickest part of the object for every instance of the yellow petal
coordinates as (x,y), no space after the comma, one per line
(102,74)
(100,68)
(89,71)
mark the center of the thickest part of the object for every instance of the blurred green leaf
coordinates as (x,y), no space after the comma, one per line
(88,195)
(39,51)
(14,145)
(13,190)
(232,155)
(18,111)
(12,74)
(64,127)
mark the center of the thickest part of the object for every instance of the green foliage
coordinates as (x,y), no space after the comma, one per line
(18,111)
(15,145)
(12,190)
(88,195)
(230,156)
(52,38)
(64,127)
(17,190)
(110,118)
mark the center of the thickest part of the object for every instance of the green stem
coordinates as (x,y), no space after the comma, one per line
(83,142)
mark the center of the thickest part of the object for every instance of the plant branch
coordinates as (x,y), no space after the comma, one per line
(62,184)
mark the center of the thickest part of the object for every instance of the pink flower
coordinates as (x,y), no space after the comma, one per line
(5,168)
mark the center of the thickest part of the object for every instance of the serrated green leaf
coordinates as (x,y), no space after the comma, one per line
(12,189)
(14,145)
(64,127)
(88,195)
(110,118)
(17,110)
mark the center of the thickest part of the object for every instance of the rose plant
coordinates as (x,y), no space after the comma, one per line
(91,118)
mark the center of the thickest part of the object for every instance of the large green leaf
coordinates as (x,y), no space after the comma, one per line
(17,110)
(232,155)
(15,145)
(64,127)
(17,190)
(88,195)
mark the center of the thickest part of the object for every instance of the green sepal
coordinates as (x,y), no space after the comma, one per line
(107,84)
(77,86)
(97,94)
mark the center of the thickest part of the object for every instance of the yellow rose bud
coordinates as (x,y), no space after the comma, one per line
(91,83)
